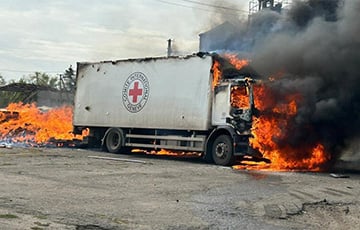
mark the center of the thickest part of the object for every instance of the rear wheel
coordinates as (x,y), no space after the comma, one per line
(114,140)
(222,150)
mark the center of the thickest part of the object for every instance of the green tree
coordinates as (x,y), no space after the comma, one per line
(67,80)
(43,79)
(2,80)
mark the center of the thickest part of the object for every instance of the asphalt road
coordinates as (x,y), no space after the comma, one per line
(66,189)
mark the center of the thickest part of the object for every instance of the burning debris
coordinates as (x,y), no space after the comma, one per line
(28,125)
(6,115)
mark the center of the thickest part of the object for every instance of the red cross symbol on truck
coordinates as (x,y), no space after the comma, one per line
(135,92)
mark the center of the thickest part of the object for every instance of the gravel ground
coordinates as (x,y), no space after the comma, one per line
(50,188)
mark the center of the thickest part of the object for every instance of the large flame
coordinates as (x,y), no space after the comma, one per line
(32,125)
(270,130)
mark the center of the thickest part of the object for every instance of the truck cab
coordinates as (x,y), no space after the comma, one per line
(233,108)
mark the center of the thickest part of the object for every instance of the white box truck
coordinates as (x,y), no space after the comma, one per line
(164,103)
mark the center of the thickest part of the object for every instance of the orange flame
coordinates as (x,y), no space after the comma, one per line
(216,67)
(239,97)
(164,152)
(275,121)
(271,127)
(33,125)
(237,63)
(216,73)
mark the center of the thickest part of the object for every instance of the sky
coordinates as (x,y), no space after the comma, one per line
(49,36)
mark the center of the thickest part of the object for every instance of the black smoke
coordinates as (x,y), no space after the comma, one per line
(315,45)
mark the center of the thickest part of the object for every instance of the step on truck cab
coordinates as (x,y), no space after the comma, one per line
(172,103)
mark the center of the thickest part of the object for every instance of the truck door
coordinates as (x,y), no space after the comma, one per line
(221,104)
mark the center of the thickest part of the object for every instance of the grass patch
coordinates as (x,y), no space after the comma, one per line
(42,224)
(8,216)
(7,164)
(41,217)
(36,228)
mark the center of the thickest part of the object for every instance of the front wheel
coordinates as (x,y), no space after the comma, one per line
(222,150)
(113,140)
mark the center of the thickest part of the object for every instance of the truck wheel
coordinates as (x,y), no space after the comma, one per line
(113,140)
(222,151)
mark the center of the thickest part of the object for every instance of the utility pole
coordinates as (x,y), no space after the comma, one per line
(169,49)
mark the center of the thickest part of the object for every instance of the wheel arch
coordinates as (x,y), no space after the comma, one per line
(221,130)
(111,129)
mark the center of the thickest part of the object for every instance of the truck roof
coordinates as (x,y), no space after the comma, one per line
(229,71)
(146,59)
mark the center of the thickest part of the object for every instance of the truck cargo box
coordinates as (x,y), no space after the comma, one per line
(158,93)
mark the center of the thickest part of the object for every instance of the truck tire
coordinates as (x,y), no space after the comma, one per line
(114,140)
(222,151)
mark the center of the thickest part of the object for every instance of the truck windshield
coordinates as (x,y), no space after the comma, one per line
(240,97)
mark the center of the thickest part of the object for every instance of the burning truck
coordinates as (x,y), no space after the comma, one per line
(176,103)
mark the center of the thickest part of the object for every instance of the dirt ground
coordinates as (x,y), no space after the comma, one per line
(53,188)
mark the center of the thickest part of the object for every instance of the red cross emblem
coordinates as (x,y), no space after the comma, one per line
(135,92)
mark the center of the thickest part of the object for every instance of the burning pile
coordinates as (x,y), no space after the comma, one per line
(26,123)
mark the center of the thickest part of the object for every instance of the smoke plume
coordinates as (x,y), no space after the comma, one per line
(315,45)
